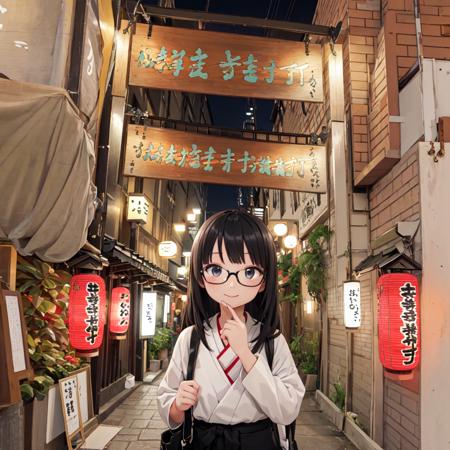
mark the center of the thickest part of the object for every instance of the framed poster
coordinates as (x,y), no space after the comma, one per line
(70,404)
(13,346)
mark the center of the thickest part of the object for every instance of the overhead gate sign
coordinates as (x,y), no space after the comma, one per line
(183,156)
(225,64)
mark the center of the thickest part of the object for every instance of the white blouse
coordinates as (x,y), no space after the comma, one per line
(256,395)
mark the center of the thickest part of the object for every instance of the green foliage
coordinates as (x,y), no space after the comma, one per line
(311,262)
(292,271)
(161,341)
(305,352)
(45,295)
(338,398)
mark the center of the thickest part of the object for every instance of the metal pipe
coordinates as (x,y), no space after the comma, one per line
(207,17)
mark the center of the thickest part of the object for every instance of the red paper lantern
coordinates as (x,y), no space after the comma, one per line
(119,316)
(398,322)
(87,303)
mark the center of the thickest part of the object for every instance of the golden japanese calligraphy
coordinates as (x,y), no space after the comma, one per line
(179,155)
(225,64)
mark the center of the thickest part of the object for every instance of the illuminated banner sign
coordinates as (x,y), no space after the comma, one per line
(179,155)
(225,64)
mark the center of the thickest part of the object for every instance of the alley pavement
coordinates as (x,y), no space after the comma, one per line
(142,426)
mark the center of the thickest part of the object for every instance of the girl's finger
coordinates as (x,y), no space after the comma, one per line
(233,313)
(192,383)
(185,396)
(190,389)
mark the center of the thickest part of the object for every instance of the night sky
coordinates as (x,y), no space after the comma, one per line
(229,112)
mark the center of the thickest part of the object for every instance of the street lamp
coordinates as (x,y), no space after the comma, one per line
(290,241)
(179,227)
(191,217)
(280,229)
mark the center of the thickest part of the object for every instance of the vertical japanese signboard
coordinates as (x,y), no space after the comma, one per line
(148,314)
(70,403)
(225,64)
(352,304)
(179,155)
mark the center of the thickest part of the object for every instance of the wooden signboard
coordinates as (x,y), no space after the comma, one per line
(70,404)
(225,64)
(179,155)
(13,347)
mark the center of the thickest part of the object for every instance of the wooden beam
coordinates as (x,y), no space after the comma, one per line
(377,168)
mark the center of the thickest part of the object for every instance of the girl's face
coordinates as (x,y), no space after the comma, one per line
(232,283)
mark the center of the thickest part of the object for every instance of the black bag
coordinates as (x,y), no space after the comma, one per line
(181,437)
(290,429)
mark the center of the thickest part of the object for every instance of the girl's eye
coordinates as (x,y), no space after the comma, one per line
(215,271)
(252,272)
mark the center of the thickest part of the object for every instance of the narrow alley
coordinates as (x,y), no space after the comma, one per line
(142,426)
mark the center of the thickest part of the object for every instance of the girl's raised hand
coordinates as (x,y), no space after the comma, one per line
(235,332)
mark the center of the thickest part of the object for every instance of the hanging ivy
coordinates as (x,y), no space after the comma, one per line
(311,263)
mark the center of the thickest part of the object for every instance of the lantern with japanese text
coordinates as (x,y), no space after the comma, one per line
(87,303)
(119,315)
(398,322)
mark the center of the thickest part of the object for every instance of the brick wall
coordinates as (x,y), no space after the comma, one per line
(401,417)
(396,197)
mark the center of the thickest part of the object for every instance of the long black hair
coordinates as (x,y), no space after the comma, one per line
(234,227)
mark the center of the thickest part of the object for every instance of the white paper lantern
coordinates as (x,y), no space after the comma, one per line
(352,304)
(138,208)
(167,249)
(290,241)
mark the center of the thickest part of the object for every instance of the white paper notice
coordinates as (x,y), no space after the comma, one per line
(69,387)
(15,332)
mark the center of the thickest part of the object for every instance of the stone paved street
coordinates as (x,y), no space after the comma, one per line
(142,426)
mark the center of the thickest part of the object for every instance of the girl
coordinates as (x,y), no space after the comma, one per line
(232,302)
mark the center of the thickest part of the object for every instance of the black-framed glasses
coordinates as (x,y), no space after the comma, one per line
(251,276)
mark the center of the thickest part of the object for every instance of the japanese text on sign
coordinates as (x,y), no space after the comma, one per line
(69,393)
(124,310)
(409,319)
(163,153)
(92,311)
(231,66)
(148,311)
(225,64)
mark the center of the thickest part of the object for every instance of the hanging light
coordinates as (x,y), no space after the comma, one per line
(352,304)
(398,321)
(167,249)
(184,298)
(119,316)
(309,307)
(182,271)
(290,241)
(191,217)
(196,211)
(187,254)
(179,227)
(87,301)
(280,229)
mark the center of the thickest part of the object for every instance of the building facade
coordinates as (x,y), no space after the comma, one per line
(381,206)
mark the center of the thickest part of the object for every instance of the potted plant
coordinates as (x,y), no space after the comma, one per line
(305,354)
(154,364)
(162,342)
(45,294)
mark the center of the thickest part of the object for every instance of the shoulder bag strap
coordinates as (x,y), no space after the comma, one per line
(290,429)
(188,424)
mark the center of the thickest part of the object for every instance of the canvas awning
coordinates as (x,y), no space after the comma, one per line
(46,167)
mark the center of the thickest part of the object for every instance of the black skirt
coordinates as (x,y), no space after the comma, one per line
(261,435)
